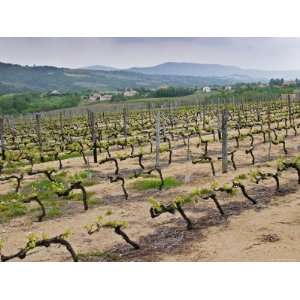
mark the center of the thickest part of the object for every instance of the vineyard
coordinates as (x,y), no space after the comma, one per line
(191,182)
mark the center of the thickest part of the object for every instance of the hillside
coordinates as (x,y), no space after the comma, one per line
(195,69)
(100,68)
(16,78)
(189,69)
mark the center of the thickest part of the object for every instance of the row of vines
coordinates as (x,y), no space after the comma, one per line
(35,151)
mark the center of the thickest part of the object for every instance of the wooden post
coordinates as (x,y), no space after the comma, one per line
(157,162)
(2,138)
(61,125)
(39,135)
(142,119)
(13,131)
(188,155)
(239,120)
(204,114)
(125,120)
(219,124)
(290,109)
(269,133)
(163,129)
(257,114)
(149,110)
(91,120)
(224,141)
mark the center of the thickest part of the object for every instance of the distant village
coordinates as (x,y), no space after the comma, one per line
(98,96)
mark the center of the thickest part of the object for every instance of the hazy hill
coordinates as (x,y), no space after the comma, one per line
(195,69)
(189,69)
(14,78)
(100,68)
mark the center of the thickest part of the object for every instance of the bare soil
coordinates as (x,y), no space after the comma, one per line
(268,231)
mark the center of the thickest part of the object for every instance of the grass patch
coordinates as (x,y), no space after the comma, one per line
(53,212)
(77,195)
(87,177)
(154,183)
(95,201)
(69,155)
(11,207)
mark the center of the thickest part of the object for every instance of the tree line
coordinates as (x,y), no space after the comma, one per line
(34,102)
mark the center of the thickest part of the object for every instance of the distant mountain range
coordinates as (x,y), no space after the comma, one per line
(100,68)
(189,69)
(207,70)
(213,70)
(17,78)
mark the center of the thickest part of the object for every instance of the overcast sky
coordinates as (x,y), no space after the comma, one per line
(261,53)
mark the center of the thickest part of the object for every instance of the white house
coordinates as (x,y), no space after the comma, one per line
(99,97)
(289,82)
(228,88)
(54,93)
(130,93)
(206,89)
(94,97)
(261,85)
(105,97)
(163,87)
